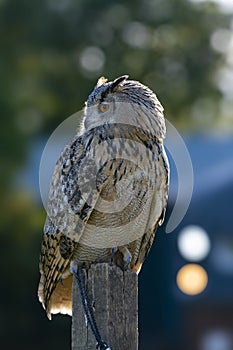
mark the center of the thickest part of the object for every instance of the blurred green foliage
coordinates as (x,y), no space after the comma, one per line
(52,53)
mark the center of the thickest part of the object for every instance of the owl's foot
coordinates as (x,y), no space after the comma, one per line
(122,258)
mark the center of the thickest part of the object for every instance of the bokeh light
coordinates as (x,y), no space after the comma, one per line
(193,243)
(221,40)
(136,34)
(192,279)
(217,339)
(92,59)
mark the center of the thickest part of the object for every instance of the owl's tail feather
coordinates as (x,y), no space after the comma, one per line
(61,298)
(55,296)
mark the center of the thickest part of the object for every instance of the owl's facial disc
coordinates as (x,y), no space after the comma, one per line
(99,102)
(97,114)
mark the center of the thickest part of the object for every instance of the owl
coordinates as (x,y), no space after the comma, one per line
(109,189)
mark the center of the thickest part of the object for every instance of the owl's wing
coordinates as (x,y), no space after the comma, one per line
(72,198)
(159,201)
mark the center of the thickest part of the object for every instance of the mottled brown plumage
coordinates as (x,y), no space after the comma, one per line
(109,189)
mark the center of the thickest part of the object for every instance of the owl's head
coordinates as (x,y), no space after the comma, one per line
(124,101)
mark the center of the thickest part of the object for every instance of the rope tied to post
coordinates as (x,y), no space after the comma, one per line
(88,310)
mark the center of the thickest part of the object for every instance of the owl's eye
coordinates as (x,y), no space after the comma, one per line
(103,107)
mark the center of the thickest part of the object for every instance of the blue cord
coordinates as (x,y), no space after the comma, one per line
(88,310)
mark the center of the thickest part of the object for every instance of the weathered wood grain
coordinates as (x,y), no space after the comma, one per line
(114,295)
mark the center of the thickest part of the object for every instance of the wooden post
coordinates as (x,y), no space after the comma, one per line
(114,295)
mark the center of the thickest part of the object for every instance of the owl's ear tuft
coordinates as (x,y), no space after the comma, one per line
(118,82)
(101,81)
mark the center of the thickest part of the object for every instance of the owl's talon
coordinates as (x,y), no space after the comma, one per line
(122,258)
(127,257)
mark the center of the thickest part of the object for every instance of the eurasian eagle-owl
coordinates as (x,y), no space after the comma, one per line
(109,189)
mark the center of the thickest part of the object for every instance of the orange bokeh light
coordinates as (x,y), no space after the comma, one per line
(192,279)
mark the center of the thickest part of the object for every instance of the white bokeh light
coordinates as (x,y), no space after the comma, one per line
(193,243)
(136,34)
(217,339)
(92,59)
(222,40)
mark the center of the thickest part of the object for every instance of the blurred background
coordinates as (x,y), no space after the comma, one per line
(52,52)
